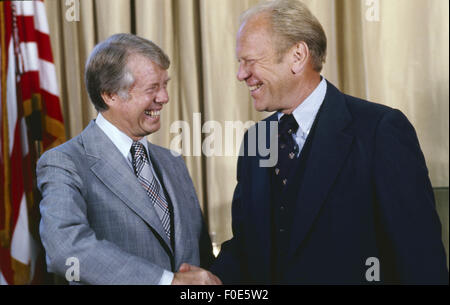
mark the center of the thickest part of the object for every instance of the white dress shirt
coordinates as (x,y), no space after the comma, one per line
(123,144)
(306,112)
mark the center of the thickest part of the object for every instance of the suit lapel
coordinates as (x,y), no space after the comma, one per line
(260,196)
(168,176)
(329,150)
(113,170)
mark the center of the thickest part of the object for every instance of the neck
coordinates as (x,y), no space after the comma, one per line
(110,118)
(306,85)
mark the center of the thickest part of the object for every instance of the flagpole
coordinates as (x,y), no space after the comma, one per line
(5,237)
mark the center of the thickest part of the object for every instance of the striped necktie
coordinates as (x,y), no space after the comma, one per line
(151,185)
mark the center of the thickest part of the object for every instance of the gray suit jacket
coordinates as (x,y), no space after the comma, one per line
(94,209)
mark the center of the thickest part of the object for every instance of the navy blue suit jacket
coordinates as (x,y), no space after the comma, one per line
(365,193)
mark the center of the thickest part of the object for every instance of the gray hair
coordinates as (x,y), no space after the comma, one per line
(292,22)
(106,68)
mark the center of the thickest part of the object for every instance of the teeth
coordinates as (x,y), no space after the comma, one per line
(153,112)
(252,88)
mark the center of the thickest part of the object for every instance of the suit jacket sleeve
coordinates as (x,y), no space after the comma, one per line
(229,266)
(405,203)
(204,242)
(65,230)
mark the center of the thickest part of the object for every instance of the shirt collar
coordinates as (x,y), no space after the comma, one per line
(120,139)
(306,112)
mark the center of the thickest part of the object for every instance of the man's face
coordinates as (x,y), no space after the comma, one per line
(268,79)
(139,115)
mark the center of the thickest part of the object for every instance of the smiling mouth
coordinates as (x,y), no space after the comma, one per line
(255,88)
(153,113)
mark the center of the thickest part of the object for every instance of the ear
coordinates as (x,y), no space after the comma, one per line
(109,98)
(300,52)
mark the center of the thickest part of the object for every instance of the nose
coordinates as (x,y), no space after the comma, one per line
(163,96)
(243,73)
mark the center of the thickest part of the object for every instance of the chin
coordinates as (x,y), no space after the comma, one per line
(151,127)
(153,130)
(259,106)
(262,108)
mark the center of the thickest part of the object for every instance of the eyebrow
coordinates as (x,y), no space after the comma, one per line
(246,58)
(157,84)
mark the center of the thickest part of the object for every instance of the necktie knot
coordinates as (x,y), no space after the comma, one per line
(139,157)
(288,125)
(138,151)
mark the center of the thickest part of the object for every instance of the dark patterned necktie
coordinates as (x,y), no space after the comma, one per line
(287,149)
(151,185)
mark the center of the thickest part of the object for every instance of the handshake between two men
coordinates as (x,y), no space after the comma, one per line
(350,183)
(192,275)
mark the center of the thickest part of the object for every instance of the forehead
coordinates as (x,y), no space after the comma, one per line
(145,69)
(254,37)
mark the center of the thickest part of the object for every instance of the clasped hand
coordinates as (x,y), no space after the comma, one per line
(193,275)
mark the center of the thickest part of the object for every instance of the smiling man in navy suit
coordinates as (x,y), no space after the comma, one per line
(349,200)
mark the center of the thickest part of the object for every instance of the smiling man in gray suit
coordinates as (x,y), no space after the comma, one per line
(123,208)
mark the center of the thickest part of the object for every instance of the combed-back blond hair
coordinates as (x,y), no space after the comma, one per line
(292,22)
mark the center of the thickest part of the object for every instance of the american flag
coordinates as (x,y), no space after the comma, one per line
(30,123)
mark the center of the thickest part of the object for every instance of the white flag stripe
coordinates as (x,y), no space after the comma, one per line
(40,18)
(24,8)
(32,62)
(11,97)
(21,239)
(36,9)
(2,279)
(47,77)
(30,55)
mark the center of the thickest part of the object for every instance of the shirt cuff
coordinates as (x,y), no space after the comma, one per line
(166,278)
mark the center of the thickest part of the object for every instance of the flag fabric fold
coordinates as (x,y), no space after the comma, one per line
(30,123)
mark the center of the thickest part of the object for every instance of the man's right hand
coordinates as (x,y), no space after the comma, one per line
(192,275)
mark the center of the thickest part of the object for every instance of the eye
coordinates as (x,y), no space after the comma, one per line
(152,88)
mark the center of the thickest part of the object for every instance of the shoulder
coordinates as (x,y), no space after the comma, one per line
(165,155)
(366,109)
(170,161)
(162,151)
(359,108)
(380,116)
(62,165)
(74,150)
(380,123)
(68,150)
(364,114)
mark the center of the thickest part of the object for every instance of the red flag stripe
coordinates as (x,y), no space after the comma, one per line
(51,102)
(28,33)
(37,10)
(29,84)
(25,28)
(45,51)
